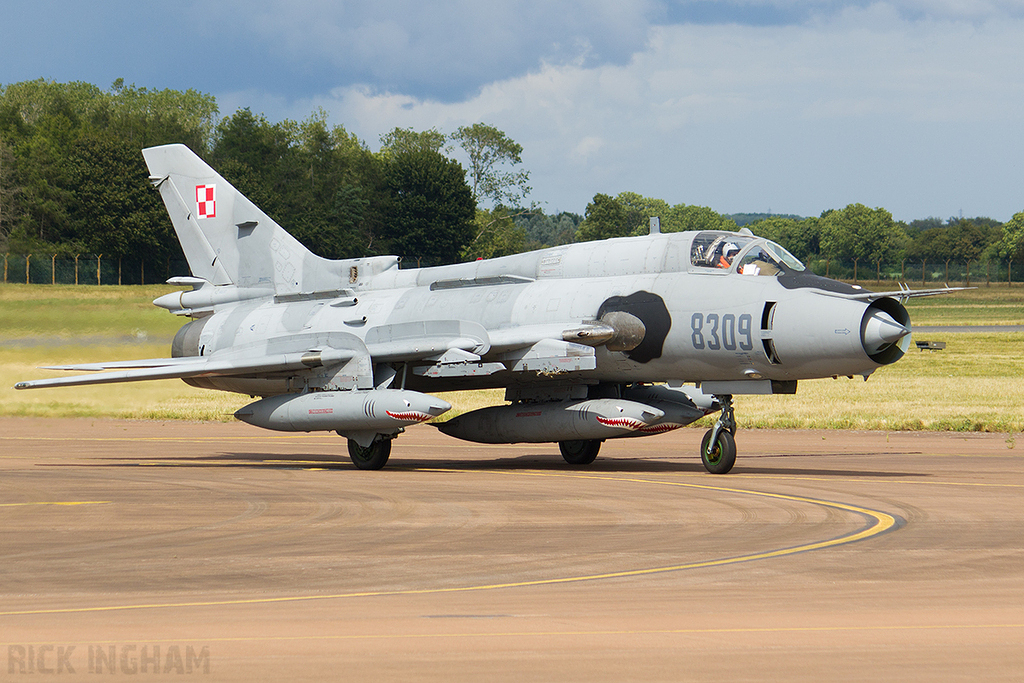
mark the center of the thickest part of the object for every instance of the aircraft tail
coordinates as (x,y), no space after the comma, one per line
(226,238)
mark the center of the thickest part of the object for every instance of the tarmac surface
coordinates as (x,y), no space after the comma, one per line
(221,552)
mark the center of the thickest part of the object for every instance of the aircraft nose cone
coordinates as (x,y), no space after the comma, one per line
(437,406)
(880,330)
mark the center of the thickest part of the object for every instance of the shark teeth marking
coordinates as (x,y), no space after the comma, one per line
(660,428)
(409,416)
(621,422)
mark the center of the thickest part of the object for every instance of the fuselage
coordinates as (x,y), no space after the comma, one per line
(702,323)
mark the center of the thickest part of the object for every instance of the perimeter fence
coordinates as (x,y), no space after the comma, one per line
(92,269)
(923,272)
(88,269)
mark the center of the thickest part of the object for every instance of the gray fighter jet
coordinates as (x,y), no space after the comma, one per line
(591,341)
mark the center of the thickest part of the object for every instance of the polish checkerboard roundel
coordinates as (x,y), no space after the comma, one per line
(206,201)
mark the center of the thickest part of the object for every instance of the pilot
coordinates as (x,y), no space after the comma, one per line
(729,252)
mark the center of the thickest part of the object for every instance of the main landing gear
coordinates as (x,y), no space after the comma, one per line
(372,457)
(580,452)
(718,448)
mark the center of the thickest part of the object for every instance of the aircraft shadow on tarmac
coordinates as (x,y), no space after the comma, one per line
(537,461)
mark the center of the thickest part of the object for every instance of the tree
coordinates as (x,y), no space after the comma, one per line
(154,117)
(1011,243)
(683,217)
(50,131)
(967,240)
(548,231)
(7,191)
(403,140)
(114,211)
(497,234)
(800,237)
(960,240)
(605,217)
(629,213)
(489,149)
(639,210)
(321,183)
(429,209)
(338,189)
(251,140)
(861,234)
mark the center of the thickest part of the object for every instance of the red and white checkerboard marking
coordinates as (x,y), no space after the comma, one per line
(206,201)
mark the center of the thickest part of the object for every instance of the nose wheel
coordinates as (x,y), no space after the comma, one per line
(718,448)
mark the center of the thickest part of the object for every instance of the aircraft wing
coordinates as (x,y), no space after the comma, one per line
(192,366)
(447,348)
(902,294)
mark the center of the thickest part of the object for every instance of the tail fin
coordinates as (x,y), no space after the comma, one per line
(225,237)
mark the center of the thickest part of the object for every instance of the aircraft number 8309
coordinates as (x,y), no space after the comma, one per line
(713,331)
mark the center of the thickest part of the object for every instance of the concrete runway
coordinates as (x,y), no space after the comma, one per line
(227,553)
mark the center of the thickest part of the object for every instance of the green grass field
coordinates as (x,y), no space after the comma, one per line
(975,384)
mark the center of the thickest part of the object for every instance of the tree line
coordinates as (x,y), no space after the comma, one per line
(73,182)
(856,234)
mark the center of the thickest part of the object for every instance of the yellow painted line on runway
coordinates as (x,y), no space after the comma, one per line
(879,522)
(68,502)
(856,480)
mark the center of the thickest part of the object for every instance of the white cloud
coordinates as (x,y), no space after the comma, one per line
(920,115)
(440,50)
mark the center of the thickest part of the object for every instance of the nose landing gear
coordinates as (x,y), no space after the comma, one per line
(718,448)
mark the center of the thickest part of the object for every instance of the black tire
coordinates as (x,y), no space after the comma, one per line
(581,452)
(722,456)
(372,457)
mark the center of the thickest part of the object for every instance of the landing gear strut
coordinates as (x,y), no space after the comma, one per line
(718,448)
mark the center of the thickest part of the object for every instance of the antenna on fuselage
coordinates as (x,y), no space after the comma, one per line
(655,225)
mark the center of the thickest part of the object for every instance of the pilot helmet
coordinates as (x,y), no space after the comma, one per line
(730,250)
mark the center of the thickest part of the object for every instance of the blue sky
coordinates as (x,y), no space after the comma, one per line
(789,106)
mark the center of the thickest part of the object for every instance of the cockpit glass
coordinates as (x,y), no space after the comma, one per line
(792,262)
(758,261)
(717,249)
(757,256)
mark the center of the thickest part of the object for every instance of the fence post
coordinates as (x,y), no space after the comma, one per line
(76,268)
(903,270)
(5,268)
(968,282)
(118,271)
(922,272)
(53,269)
(142,272)
(27,269)
(98,257)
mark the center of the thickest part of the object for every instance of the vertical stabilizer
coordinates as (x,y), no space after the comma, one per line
(225,237)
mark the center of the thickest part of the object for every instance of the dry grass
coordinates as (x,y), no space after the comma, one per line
(158,400)
(50,314)
(994,305)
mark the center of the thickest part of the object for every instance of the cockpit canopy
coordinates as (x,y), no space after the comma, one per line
(747,254)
